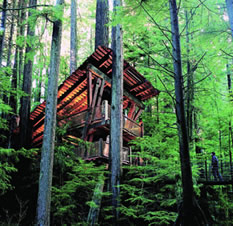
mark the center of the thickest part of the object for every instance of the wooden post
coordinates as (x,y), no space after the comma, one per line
(130,115)
(97,86)
(89,87)
(105,110)
(100,147)
(89,102)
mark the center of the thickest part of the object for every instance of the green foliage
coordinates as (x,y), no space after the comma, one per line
(6,168)
(8,160)
(73,186)
(149,191)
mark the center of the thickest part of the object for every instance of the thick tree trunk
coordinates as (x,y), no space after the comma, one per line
(102,19)
(14,81)
(187,183)
(46,165)
(25,128)
(229,4)
(9,49)
(21,48)
(16,67)
(189,106)
(2,29)
(230,126)
(116,113)
(73,36)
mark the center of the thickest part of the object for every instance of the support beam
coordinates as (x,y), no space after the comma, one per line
(137,115)
(95,70)
(89,87)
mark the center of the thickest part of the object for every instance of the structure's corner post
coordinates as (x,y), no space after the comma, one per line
(101,147)
(89,86)
(105,112)
(130,156)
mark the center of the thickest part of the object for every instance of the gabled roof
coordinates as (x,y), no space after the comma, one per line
(72,93)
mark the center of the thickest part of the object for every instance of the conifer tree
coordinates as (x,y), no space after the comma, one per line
(25,131)
(190,213)
(102,19)
(116,124)
(2,29)
(46,166)
(229,4)
(73,36)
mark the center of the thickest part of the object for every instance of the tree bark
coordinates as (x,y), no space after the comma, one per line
(116,113)
(10,38)
(2,30)
(189,106)
(187,183)
(229,4)
(102,19)
(46,165)
(16,67)
(25,128)
(73,36)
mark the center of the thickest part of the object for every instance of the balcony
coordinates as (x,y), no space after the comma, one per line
(100,151)
(99,117)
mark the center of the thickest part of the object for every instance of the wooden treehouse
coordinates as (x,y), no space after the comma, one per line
(83,105)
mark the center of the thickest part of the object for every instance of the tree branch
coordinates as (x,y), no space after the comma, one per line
(170,73)
(159,27)
(202,2)
(193,69)
(192,14)
(27,7)
(228,54)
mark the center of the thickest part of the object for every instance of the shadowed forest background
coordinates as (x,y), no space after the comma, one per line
(153,188)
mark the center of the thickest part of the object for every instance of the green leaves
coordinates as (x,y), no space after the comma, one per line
(74,183)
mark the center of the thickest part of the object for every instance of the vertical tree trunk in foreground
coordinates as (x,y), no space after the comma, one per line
(187,211)
(21,48)
(116,113)
(229,4)
(102,18)
(25,128)
(73,36)
(10,37)
(15,71)
(2,29)
(46,165)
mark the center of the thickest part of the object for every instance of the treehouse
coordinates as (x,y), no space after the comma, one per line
(83,105)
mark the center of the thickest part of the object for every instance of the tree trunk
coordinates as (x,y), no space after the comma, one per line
(10,38)
(14,79)
(73,36)
(46,165)
(2,29)
(116,113)
(189,108)
(9,49)
(229,4)
(16,67)
(187,183)
(25,128)
(102,19)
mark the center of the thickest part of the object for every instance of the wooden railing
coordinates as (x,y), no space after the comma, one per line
(101,114)
(100,149)
(204,167)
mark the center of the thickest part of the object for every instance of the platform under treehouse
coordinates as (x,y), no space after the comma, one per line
(83,105)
